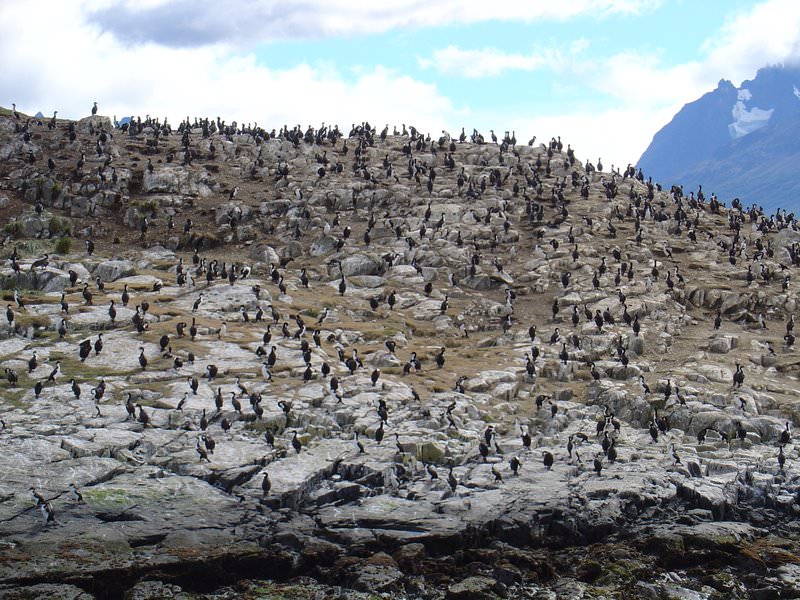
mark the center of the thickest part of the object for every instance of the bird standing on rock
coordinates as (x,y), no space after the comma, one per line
(547,459)
(452,481)
(598,464)
(296,443)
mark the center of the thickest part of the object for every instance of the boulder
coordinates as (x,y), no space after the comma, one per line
(93,123)
(265,254)
(111,270)
(473,588)
(322,245)
(357,264)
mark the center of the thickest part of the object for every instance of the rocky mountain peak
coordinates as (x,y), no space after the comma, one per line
(734,141)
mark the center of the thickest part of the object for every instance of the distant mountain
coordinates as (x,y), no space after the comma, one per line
(741,142)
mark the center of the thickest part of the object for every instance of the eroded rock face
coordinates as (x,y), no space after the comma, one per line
(475,388)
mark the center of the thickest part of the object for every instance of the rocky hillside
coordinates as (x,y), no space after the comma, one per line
(369,363)
(735,142)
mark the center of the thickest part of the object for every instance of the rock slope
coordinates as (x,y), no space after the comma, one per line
(379,363)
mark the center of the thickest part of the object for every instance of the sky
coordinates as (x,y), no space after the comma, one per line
(605,75)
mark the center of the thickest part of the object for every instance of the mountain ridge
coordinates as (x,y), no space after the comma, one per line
(735,142)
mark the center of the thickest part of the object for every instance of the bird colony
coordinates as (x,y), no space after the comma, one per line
(241,361)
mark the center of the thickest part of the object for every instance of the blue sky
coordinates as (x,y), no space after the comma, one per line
(603,74)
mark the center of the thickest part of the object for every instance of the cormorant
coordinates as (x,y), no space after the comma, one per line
(452,481)
(440,358)
(75,494)
(55,372)
(547,459)
(598,464)
(786,435)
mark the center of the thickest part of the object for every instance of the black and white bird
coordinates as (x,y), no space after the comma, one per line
(55,372)
(142,358)
(75,494)
(48,512)
(452,481)
(598,463)
(786,435)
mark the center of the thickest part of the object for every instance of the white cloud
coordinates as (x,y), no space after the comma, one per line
(64,64)
(617,135)
(642,80)
(649,92)
(769,33)
(488,62)
(202,22)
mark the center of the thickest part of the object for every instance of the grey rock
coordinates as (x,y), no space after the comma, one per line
(44,591)
(153,590)
(358,264)
(322,245)
(111,270)
(264,254)
(473,588)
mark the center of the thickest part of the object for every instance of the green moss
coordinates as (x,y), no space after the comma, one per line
(37,321)
(86,371)
(13,396)
(147,207)
(13,228)
(724,540)
(279,592)
(617,574)
(106,496)
(63,245)
(28,248)
(30,295)
(57,225)
(257,426)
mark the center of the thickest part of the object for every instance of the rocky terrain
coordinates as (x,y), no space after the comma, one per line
(367,364)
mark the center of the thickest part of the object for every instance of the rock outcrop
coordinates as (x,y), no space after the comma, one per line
(444,370)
